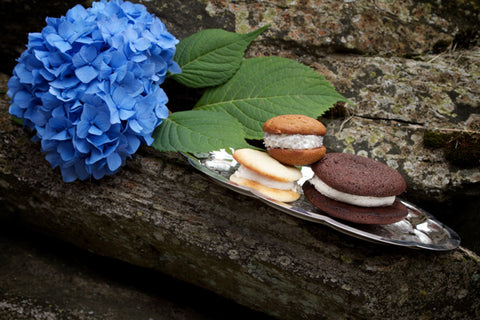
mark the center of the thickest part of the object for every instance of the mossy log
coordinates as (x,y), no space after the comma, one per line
(160,213)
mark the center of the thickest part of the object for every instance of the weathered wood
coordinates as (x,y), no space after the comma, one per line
(160,213)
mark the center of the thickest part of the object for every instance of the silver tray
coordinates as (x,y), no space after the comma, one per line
(418,230)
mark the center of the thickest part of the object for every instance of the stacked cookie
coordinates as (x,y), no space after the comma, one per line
(291,140)
(345,186)
(268,176)
(356,189)
(294,139)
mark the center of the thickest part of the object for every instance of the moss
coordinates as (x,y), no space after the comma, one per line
(269,15)
(396,109)
(445,111)
(461,148)
(241,21)
(422,294)
(349,140)
(346,259)
(375,136)
(349,149)
(433,139)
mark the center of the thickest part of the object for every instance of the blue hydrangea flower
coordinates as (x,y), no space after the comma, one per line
(88,86)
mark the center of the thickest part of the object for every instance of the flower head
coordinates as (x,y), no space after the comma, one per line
(88,85)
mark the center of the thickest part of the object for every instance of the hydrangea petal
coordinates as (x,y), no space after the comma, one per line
(98,141)
(162,112)
(138,58)
(126,114)
(81,170)
(135,126)
(54,159)
(64,82)
(69,174)
(88,53)
(133,144)
(66,31)
(36,116)
(82,145)
(66,151)
(95,131)
(24,75)
(174,68)
(86,73)
(142,44)
(99,170)
(78,12)
(148,139)
(23,98)
(16,110)
(82,129)
(102,121)
(95,156)
(56,41)
(114,161)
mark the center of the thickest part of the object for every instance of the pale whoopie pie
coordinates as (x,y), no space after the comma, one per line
(356,189)
(261,172)
(294,139)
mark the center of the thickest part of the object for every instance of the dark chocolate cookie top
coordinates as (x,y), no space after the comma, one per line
(359,175)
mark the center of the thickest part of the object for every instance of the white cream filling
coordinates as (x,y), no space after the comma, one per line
(361,201)
(245,173)
(292,141)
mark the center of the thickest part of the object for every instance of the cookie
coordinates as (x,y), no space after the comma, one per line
(294,124)
(263,164)
(294,139)
(259,171)
(274,193)
(362,215)
(359,175)
(356,189)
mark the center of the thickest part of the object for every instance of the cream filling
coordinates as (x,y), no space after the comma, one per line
(245,173)
(361,201)
(292,141)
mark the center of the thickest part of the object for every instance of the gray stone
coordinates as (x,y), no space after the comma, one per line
(160,213)
(44,279)
(409,68)
(386,28)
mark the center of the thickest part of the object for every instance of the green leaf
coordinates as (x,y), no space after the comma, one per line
(211,57)
(269,86)
(198,131)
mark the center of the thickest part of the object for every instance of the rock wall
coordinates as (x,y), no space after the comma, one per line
(411,69)
(160,213)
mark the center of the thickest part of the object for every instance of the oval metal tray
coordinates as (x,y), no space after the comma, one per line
(418,230)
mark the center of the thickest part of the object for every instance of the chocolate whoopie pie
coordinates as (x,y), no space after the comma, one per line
(356,189)
(294,139)
(356,214)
